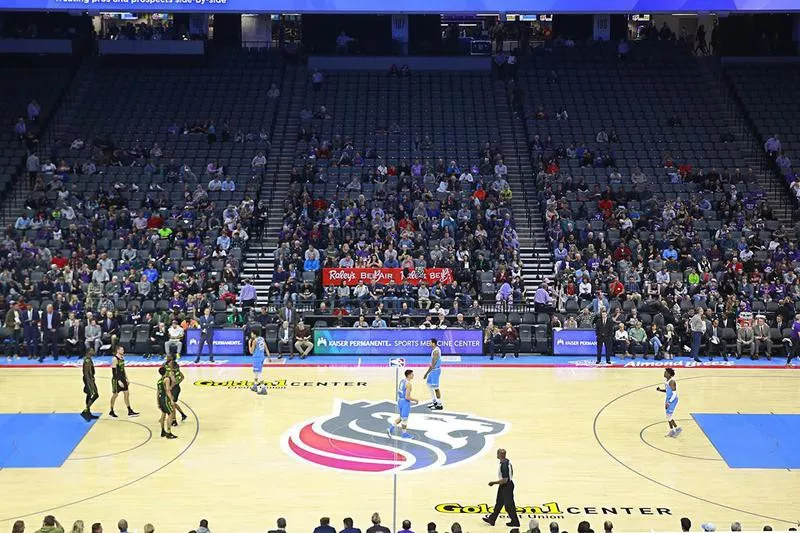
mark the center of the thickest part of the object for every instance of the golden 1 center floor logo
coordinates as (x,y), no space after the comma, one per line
(278,384)
(554,510)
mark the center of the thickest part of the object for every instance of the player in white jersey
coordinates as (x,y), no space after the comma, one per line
(432,376)
(670,389)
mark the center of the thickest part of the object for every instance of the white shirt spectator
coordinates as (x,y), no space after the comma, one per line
(215,185)
(32,163)
(500,169)
(228,184)
(361,291)
(773,144)
(259,161)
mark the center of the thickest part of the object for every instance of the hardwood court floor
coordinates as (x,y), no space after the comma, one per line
(586,444)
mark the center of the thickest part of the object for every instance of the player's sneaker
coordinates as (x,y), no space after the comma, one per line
(678,431)
(671,433)
(254,388)
(390,431)
(407,435)
(438,407)
(262,391)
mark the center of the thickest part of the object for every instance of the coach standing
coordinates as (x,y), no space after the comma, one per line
(206,335)
(604,331)
(505,492)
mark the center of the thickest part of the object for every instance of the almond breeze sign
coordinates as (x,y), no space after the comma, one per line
(362,341)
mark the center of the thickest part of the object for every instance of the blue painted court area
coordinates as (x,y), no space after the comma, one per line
(39,440)
(753,440)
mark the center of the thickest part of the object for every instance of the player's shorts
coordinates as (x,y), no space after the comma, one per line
(433,378)
(90,388)
(176,392)
(116,387)
(671,409)
(405,409)
(165,405)
(258,363)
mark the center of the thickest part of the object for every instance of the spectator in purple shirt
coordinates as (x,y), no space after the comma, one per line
(177,303)
(406,527)
(247,296)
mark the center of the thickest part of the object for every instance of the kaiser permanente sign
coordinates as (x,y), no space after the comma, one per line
(361,341)
(575,342)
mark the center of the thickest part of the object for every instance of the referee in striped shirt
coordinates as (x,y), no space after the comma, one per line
(505,492)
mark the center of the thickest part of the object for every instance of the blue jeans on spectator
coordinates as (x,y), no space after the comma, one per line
(697,338)
(392,303)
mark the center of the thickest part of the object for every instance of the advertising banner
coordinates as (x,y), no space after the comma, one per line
(225,341)
(575,342)
(362,341)
(351,276)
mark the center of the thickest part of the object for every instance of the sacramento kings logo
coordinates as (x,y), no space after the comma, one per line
(354,438)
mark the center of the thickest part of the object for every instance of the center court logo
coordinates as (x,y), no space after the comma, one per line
(354,438)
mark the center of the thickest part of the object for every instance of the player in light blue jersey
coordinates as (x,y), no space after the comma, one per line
(404,403)
(260,351)
(432,376)
(670,389)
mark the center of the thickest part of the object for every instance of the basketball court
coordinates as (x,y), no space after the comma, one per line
(586,444)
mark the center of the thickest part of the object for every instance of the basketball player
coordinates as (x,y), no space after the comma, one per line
(165,402)
(176,376)
(671,401)
(259,350)
(404,403)
(89,385)
(432,375)
(119,381)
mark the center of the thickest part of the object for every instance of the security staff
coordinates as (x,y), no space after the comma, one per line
(505,492)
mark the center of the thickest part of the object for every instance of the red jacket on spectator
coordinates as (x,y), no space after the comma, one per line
(605,204)
(622,252)
(616,288)
(59,261)
(155,222)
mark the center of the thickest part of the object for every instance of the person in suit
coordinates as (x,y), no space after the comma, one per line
(745,340)
(110,328)
(75,337)
(763,339)
(93,335)
(30,330)
(288,314)
(281,526)
(285,339)
(206,334)
(604,330)
(714,341)
(49,324)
